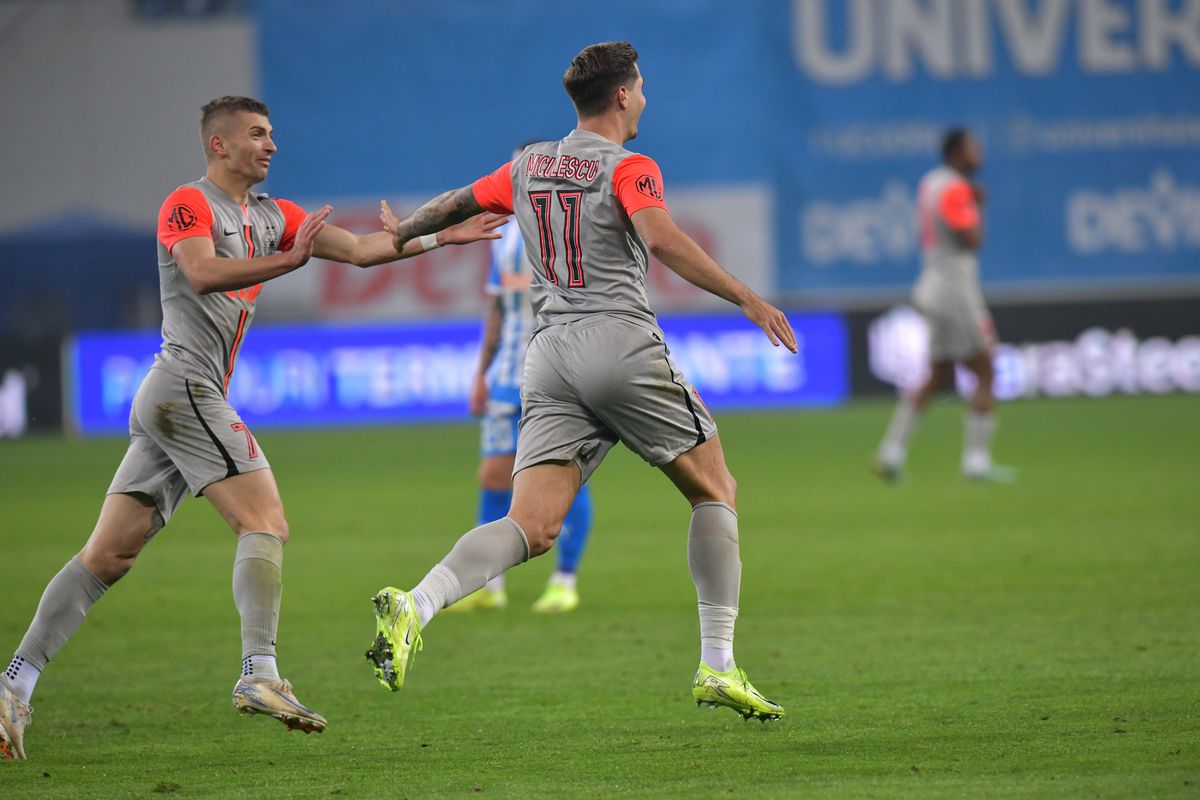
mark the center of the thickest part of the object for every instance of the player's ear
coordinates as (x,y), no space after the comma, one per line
(622,97)
(216,146)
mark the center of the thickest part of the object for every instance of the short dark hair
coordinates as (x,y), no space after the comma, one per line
(953,140)
(596,73)
(224,106)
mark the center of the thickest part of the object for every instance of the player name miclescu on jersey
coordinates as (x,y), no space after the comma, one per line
(565,167)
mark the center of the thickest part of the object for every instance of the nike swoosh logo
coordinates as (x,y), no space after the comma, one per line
(407,631)
(289,700)
(227,233)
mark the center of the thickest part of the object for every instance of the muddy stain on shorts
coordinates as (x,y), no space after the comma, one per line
(163,420)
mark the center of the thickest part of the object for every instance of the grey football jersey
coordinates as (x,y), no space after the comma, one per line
(584,253)
(202,334)
(947,266)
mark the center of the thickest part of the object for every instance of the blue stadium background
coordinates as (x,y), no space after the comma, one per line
(792,133)
(735,97)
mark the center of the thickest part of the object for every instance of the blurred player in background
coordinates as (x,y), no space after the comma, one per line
(597,370)
(949,296)
(496,400)
(218,242)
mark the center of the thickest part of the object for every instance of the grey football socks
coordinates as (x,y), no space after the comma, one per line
(479,555)
(257,591)
(978,430)
(717,572)
(64,604)
(893,450)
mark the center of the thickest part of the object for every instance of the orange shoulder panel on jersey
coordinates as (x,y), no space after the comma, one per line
(958,206)
(184,214)
(293,215)
(495,192)
(637,183)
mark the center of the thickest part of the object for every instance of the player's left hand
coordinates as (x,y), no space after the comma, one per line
(773,322)
(480,226)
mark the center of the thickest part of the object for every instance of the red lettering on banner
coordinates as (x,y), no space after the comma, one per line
(344,286)
(432,280)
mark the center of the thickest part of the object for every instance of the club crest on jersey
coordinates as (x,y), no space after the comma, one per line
(648,186)
(272,236)
(181,218)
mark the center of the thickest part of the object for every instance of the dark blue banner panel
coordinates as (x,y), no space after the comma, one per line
(308,376)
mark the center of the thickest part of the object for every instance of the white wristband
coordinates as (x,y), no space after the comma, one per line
(429,242)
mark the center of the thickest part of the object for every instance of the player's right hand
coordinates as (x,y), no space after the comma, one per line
(306,235)
(391,224)
(773,322)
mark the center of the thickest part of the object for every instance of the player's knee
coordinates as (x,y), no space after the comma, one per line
(717,488)
(270,521)
(279,527)
(541,535)
(726,489)
(107,564)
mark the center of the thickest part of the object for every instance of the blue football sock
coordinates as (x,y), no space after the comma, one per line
(493,504)
(576,527)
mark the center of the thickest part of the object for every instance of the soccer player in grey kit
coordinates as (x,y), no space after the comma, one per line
(597,370)
(218,242)
(949,296)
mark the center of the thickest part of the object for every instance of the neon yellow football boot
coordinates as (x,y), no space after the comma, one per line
(557,599)
(732,689)
(397,636)
(484,599)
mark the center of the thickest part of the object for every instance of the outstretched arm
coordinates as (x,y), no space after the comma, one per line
(207,272)
(688,260)
(448,208)
(367,250)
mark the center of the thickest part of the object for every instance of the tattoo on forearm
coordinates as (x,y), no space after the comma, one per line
(441,212)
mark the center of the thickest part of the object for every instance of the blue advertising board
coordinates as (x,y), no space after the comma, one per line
(309,376)
(1088,110)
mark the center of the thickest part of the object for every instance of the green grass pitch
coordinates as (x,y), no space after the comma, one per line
(934,639)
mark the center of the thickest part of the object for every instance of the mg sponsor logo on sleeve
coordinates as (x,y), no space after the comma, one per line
(1096,363)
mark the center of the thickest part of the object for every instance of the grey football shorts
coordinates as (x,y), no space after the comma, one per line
(960,328)
(183,436)
(593,382)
